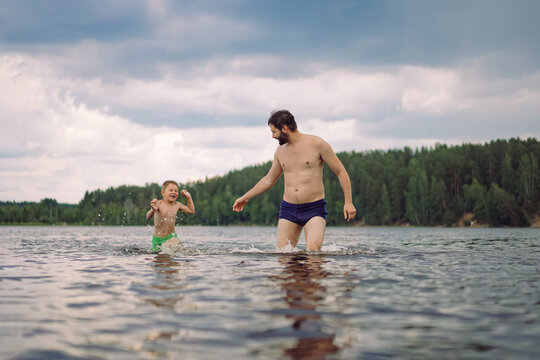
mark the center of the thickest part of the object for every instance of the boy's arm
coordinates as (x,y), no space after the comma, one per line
(190,208)
(153,208)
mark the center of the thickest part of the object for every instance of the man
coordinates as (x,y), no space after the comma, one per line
(300,158)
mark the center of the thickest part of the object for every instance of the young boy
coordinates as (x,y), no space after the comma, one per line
(164,213)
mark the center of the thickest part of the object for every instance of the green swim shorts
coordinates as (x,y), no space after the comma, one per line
(158,241)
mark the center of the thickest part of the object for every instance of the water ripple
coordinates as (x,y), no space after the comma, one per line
(371,293)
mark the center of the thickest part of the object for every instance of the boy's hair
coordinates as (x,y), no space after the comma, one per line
(164,186)
(278,118)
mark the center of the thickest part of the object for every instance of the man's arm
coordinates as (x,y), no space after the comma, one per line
(329,156)
(264,184)
(190,208)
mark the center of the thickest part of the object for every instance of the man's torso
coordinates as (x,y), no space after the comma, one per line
(302,166)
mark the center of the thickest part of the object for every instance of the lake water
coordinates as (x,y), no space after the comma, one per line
(372,293)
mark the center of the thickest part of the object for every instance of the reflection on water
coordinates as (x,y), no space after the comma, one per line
(167,285)
(392,293)
(168,282)
(303,292)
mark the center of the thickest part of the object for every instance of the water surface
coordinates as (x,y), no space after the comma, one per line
(372,293)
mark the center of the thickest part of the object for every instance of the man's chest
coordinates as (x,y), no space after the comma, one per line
(299,158)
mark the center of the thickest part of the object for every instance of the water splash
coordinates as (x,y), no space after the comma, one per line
(251,250)
(287,249)
(134,250)
(179,250)
(332,248)
(173,247)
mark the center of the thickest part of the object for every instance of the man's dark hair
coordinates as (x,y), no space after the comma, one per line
(278,118)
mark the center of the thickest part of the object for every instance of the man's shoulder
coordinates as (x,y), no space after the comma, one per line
(314,140)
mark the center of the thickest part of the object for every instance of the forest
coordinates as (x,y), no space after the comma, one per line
(496,182)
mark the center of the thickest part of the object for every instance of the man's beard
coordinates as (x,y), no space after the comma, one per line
(283,138)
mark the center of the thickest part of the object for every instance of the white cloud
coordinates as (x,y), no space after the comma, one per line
(330,93)
(55,148)
(53,144)
(351,134)
(430,91)
(240,87)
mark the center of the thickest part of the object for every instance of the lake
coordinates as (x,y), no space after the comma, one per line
(371,293)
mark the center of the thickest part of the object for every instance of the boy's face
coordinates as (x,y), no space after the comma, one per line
(170,193)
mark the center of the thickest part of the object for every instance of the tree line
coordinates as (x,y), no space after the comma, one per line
(497,181)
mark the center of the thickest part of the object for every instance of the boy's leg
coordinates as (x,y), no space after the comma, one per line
(288,232)
(314,230)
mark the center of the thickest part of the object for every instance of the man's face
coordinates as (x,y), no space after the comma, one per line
(279,135)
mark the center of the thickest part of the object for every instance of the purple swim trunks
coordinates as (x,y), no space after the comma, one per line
(302,213)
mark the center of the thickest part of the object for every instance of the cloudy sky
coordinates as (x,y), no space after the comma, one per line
(103,93)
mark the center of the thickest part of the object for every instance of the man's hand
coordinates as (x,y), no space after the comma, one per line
(239,204)
(349,211)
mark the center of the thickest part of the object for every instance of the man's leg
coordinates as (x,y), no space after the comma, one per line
(314,230)
(287,232)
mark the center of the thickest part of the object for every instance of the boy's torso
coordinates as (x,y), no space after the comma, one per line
(165,218)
